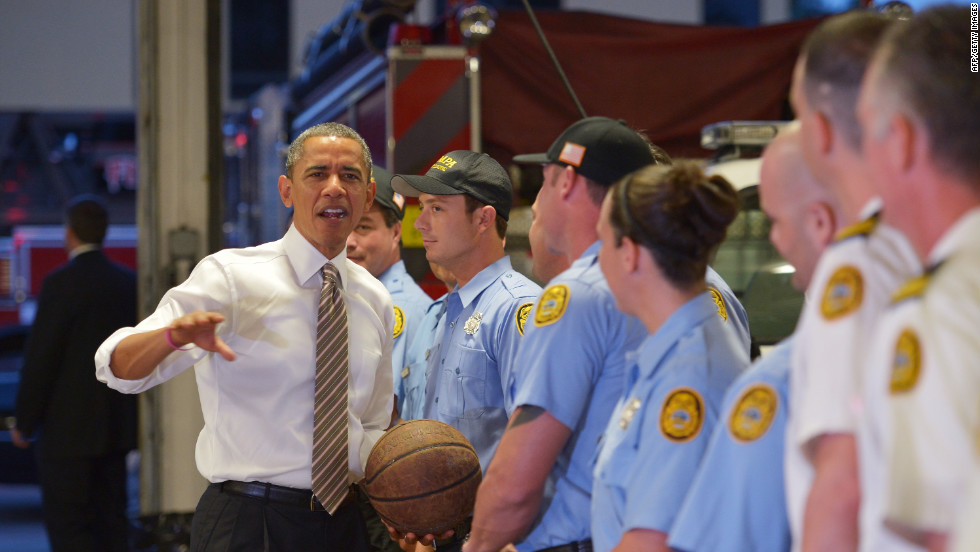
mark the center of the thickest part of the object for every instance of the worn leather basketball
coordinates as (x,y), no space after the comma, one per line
(422,476)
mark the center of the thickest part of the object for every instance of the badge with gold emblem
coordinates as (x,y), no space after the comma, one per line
(719,302)
(753,413)
(473,323)
(681,415)
(522,312)
(843,293)
(907,362)
(628,412)
(399,321)
(551,305)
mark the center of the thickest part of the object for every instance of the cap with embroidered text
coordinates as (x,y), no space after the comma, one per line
(462,172)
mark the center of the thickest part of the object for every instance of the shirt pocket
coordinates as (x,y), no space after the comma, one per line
(617,452)
(465,384)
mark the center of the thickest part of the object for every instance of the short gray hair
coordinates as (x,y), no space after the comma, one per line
(338,130)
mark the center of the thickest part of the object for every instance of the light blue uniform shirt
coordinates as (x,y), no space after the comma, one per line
(660,428)
(411,381)
(410,305)
(733,312)
(572,367)
(737,501)
(474,352)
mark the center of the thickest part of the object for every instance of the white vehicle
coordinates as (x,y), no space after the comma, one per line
(750,264)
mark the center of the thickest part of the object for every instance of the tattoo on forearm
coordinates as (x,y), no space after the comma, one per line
(526,414)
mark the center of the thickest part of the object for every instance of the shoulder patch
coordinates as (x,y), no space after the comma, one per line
(914,287)
(843,293)
(719,302)
(682,415)
(753,412)
(552,305)
(522,312)
(863,228)
(399,321)
(907,362)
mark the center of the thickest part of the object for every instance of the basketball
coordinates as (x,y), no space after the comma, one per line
(421,477)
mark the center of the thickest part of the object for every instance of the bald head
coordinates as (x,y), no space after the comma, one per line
(802,212)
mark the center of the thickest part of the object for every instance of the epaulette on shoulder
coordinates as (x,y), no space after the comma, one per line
(514,281)
(913,287)
(863,228)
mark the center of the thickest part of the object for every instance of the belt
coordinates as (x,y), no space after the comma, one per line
(578,546)
(279,494)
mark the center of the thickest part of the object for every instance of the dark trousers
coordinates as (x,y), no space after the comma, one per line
(84,502)
(233,523)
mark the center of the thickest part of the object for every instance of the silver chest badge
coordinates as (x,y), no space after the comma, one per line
(473,324)
(628,412)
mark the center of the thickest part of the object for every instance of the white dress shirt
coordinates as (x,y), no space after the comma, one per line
(828,363)
(935,449)
(258,409)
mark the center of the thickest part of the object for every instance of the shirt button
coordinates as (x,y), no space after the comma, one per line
(457,370)
(452,324)
(437,399)
(427,353)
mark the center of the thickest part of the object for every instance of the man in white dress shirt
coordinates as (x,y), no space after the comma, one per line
(246,320)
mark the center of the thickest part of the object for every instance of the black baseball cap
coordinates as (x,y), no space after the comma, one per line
(462,172)
(384,195)
(601,149)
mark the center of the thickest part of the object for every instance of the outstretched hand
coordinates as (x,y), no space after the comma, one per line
(198,328)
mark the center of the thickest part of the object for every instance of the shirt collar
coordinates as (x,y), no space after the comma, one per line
(307,261)
(394,272)
(482,280)
(84,248)
(963,231)
(678,324)
(871,208)
(589,256)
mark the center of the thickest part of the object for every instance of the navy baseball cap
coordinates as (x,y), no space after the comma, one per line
(462,172)
(601,149)
(384,195)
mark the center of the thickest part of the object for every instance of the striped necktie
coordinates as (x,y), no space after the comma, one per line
(330,457)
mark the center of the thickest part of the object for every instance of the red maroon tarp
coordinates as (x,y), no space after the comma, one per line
(669,80)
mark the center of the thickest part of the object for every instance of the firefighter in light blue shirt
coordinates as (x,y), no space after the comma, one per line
(658,226)
(738,501)
(465,199)
(375,244)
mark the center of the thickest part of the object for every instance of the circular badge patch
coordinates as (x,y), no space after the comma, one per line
(843,292)
(681,415)
(522,313)
(907,362)
(719,302)
(399,321)
(753,413)
(551,305)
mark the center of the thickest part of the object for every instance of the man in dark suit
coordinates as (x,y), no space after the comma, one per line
(82,429)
